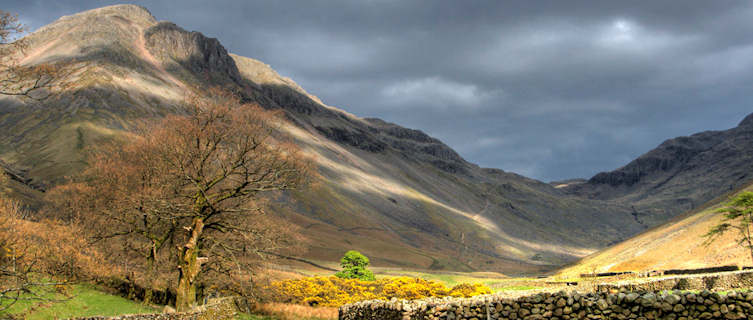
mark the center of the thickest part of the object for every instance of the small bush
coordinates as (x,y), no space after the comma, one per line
(467,290)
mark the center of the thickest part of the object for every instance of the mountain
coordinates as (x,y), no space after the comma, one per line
(679,175)
(401,197)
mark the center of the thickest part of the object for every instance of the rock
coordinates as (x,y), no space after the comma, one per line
(602,304)
(648,300)
(672,299)
(193,50)
(631,297)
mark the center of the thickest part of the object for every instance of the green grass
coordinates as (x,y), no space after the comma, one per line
(84,301)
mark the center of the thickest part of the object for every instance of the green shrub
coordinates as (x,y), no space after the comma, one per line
(355,266)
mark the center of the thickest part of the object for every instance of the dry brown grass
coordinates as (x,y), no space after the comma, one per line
(676,245)
(285,311)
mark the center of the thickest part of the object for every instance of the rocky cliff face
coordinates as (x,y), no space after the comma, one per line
(192,50)
(398,195)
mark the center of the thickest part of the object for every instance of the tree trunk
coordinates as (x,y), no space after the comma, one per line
(189,268)
(151,269)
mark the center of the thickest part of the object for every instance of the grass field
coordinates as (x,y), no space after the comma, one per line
(80,301)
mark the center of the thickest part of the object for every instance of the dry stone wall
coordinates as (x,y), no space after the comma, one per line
(678,298)
(562,305)
(716,281)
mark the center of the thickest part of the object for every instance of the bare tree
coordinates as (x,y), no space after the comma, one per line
(187,189)
(16,78)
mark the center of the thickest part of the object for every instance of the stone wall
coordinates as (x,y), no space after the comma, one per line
(682,297)
(716,281)
(562,305)
(224,309)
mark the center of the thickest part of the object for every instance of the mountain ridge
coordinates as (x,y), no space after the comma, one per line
(712,160)
(397,194)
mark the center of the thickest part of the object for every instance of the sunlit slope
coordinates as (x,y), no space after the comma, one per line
(678,244)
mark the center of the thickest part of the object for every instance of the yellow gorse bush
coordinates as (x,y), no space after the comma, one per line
(334,292)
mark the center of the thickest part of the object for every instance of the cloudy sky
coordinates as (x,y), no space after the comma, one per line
(548,89)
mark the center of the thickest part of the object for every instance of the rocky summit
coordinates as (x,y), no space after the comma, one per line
(399,196)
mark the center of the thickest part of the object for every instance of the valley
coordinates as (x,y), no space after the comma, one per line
(406,200)
(385,189)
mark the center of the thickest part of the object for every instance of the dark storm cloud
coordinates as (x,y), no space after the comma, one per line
(548,89)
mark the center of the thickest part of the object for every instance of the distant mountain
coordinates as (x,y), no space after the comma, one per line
(679,175)
(403,198)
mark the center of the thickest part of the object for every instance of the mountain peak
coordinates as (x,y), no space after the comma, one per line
(747,122)
(122,13)
(128,11)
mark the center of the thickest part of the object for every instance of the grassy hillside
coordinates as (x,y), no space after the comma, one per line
(678,244)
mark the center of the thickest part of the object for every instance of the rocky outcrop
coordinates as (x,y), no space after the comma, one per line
(201,55)
(419,144)
(353,137)
(672,155)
